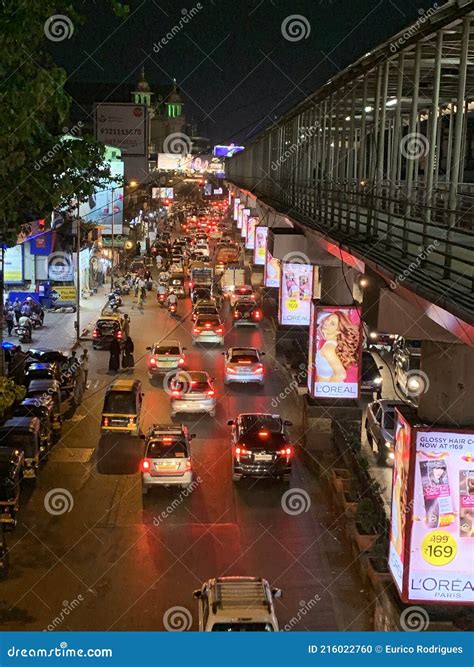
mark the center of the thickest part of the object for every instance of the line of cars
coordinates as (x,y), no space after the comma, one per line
(28,434)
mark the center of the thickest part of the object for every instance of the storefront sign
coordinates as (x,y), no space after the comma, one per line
(296,288)
(432,545)
(65,292)
(337,351)
(260,246)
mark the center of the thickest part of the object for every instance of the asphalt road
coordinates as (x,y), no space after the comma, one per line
(117,561)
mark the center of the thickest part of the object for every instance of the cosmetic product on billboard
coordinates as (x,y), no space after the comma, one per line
(436,493)
(466,503)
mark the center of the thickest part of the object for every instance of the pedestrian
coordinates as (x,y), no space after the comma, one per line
(72,361)
(126,326)
(17,309)
(84,359)
(79,383)
(127,359)
(10,320)
(114,360)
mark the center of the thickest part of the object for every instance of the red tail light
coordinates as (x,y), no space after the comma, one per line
(236,313)
(181,361)
(176,392)
(211,393)
(241,451)
(119,335)
(95,333)
(190,284)
(152,361)
(196,330)
(167,439)
(219,330)
(207,325)
(263,434)
(286,451)
(145,465)
(257,314)
(189,465)
(105,421)
(259,368)
(231,370)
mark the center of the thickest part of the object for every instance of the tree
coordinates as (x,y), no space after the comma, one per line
(41,169)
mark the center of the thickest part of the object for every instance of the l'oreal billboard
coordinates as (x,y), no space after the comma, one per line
(245,219)
(272,271)
(335,352)
(260,246)
(296,291)
(236,208)
(432,529)
(252,223)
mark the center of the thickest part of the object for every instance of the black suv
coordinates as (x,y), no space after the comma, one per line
(260,446)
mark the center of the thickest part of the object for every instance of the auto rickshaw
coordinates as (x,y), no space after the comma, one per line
(30,407)
(41,371)
(42,390)
(11,474)
(122,407)
(47,356)
(23,433)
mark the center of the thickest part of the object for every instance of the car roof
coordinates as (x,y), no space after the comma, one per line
(198,376)
(123,385)
(20,423)
(168,343)
(42,385)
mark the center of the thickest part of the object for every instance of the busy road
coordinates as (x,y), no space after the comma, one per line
(120,560)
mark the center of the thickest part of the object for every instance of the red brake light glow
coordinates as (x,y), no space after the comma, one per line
(105,421)
(211,393)
(257,314)
(176,392)
(241,451)
(286,451)
(145,465)
(181,361)
(259,368)
(219,330)
(196,330)
(167,439)
(263,434)
(152,361)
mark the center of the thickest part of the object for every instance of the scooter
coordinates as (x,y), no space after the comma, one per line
(24,334)
(172,308)
(114,300)
(161,298)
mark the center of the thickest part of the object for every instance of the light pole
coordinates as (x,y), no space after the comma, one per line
(78,276)
(113,243)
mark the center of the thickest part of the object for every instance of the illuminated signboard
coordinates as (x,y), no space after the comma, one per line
(260,246)
(240,213)
(337,343)
(245,218)
(236,207)
(122,125)
(432,534)
(296,290)
(252,222)
(13,265)
(272,271)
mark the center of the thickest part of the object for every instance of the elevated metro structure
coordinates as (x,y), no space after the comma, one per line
(376,169)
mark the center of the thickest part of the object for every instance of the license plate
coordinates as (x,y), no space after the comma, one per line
(263,457)
(164,466)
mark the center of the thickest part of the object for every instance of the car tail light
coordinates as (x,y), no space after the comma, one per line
(257,314)
(241,451)
(196,330)
(236,313)
(131,420)
(119,335)
(152,361)
(105,421)
(181,361)
(207,325)
(219,330)
(176,392)
(145,465)
(189,465)
(211,393)
(190,283)
(259,368)
(167,439)
(286,451)
(263,434)
(95,333)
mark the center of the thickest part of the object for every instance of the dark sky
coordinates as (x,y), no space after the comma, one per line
(234,67)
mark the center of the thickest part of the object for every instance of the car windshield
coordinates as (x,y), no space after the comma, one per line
(167,447)
(254,423)
(242,627)
(16,440)
(389,420)
(244,358)
(120,403)
(167,349)
(107,326)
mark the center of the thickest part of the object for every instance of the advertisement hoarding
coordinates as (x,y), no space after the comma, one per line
(60,266)
(252,222)
(296,291)
(13,265)
(245,218)
(337,352)
(123,126)
(236,208)
(272,271)
(260,246)
(432,560)
(98,207)
(240,212)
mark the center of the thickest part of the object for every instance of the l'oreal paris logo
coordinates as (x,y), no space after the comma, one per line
(442,585)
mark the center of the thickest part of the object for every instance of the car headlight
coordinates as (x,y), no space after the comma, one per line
(378,380)
(391,456)
(373,335)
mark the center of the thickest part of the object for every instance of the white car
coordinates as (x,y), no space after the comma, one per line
(243,364)
(167,460)
(242,293)
(165,356)
(193,392)
(208,329)
(201,249)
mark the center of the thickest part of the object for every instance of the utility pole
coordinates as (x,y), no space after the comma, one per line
(113,242)
(78,276)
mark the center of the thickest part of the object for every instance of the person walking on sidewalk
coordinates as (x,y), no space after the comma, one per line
(79,383)
(114,360)
(128,349)
(10,320)
(84,359)
(126,326)
(17,309)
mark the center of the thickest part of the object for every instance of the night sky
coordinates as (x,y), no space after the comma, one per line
(235,69)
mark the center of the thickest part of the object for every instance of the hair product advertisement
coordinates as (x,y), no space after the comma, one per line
(296,291)
(260,245)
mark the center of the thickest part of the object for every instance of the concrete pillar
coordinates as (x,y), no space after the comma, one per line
(338,285)
(448,392)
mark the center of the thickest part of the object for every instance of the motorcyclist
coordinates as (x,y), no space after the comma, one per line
(161,288)
(26,308)
(159,261)
(172,299)
(25,323)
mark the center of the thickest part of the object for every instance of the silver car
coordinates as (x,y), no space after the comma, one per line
(167,460)
(193,392)
(380,429)
(208,329)
(243,364)
(168,355)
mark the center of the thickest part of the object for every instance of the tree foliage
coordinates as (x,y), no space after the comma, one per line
(41,168)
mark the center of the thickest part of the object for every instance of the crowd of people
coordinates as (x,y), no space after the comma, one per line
(22,314)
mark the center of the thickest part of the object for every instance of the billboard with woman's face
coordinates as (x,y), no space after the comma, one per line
(272,271)
(236,208)
(245,218)
(240,213)
(296,287)
(260,246)
(252,222)
(337,341)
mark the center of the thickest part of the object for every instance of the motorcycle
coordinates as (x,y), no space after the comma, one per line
(172,308)
(161,298)
(36,320)
(24,334)
(114,300)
